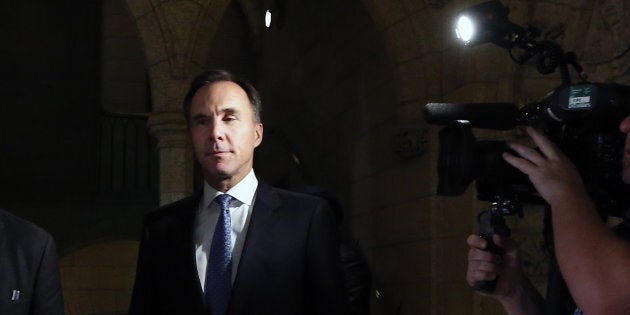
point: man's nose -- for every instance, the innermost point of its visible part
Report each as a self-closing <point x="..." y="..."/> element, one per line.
<point x="217" y="131"/>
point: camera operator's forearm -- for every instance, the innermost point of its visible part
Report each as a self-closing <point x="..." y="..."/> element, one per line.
<point x="525" y="300"/>
<point x="593" y="261"/>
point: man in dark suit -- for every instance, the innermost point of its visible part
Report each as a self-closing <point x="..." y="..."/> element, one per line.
<point x="29" y="276"/>
<point x="240" y="246"/>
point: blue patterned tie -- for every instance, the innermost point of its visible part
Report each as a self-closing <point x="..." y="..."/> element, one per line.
<point x="219" y="271"/>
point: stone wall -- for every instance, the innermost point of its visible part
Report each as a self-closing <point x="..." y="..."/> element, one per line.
<point x="343" y="85"/>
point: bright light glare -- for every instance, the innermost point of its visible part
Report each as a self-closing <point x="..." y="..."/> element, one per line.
<point x="465" y="29"/>
<point x="268" y="18"/>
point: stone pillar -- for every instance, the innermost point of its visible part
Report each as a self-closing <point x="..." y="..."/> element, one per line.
<point x="176" y="37"/>
<point x="168" y="125"/>
<point x="175" y="155"/>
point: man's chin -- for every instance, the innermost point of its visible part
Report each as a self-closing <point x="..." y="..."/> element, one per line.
<point x="218" y="174"/>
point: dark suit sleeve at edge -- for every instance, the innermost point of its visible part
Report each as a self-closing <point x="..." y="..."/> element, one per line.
<point x="324" y="272"/>
<point x="47" y="294"/>
<point x="142" y="296"/>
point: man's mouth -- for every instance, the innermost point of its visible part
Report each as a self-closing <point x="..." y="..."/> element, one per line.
<point x="218" y="152"/>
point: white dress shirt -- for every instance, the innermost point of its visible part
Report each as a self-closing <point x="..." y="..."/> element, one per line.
<point x="241" y="207"/>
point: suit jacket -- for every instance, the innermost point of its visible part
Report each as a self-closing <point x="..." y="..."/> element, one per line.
<point x="289" y="265"/>
<point x="29" y="275"/>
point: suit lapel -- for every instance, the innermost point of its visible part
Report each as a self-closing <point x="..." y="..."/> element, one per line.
<point x="264" y="217"/>
<point x="188" y="214"/>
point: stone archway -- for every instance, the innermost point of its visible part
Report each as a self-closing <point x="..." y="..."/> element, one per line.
<point x="176" y="37"/>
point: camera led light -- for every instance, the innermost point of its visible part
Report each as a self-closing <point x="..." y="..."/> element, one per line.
<point x="268" y="18"/>
<point x="465" y="29"/>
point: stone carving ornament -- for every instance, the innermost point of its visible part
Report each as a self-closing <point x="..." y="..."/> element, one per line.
<point x="436" y="4"/>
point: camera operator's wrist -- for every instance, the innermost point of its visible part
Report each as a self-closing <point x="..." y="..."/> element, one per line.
<point x="570" y="195"/>
<point x="523" y="299"/>
<point x="571" y="200"/>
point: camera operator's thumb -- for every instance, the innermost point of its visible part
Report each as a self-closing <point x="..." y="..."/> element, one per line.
<point x="511" y="278"/>
<point x="511" y="256"/>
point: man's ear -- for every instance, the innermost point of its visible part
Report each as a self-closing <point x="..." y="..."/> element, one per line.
<point x="258" y="133"/>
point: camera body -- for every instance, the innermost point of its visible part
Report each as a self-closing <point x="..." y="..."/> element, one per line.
<point x="581" y="119"/>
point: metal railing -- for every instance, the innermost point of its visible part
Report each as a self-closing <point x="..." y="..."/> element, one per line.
<point x="127" y="159"/>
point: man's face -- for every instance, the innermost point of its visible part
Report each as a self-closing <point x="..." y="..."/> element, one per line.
<point x="224" y="133"/>
<point x="625" y="128"/>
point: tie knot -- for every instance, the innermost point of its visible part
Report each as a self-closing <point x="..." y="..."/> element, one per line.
<point x="224" y="201"/>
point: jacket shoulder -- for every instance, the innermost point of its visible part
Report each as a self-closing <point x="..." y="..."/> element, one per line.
<point x="172" y="210"/>
<point x="21" y="229"/>
<point x="288" y="194"/>
<point x="289" y="197"/>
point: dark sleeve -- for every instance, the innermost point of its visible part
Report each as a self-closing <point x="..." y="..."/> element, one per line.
<point x="358" y="279"/>
<point x="47" y="293"/>
<point x="324" y="272"/>
<point x="142" y="296"/>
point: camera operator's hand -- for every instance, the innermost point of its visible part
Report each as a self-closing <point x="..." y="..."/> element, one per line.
<point x="593" y="261"/>
<point x="552" y="173"/>
<point x="484" y="265"/>
<point x="514" y="291"/>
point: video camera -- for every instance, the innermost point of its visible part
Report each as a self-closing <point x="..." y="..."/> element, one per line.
<point x="582" y="119"/>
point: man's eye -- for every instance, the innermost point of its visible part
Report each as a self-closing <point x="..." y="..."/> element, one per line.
<point x="202" y="122"/>
<point x="229" y="118"/>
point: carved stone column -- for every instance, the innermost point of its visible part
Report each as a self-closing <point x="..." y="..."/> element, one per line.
<point x="176" y="36"/>
<point x="175" y="155"/>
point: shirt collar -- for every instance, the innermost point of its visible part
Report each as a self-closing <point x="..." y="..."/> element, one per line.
<point x="244" y="191"/>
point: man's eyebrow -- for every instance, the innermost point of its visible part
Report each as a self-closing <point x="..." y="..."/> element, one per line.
<point x="223" y="111"/>
<point x="229" y="110"/>
<point x="199" y="116"/>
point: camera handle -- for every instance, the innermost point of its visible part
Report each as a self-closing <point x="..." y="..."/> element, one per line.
<point x="491" y="222"/>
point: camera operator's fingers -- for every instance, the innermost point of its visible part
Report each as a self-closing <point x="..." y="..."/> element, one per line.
<point x="484" y="255"/>
<point x="482" y="265"/>
<point x="474" y="275"/>
<point x="511" y="256"/>
<point x="476" y="241"/>
<point x="522" y="163"/>
<point x="504" y="242"/>
<point x="548" y="148"/>
<point x="527" y="153"/>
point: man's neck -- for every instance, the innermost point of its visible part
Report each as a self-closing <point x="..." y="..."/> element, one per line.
<point x="222" y="185"/>
<point x="225" y="184"/>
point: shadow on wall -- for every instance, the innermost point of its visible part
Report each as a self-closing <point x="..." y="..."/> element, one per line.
<point x="98" y="279"/>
